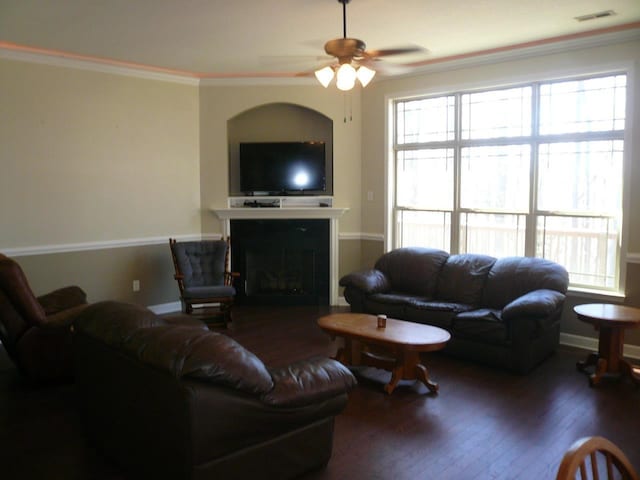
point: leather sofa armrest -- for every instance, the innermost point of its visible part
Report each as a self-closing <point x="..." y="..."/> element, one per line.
<point x="367" y="281"/>
<point x="539" y="303"/>
<point x="64" y="318"/>
<point x="62" y="299"/>
<point x="308" y="381"/>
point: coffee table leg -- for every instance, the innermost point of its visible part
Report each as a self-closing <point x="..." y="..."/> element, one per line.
<point x="396" y="375"/>
<point x="422" y="374"/>
<point x="591" y="359"/>
<point x="601" y="369"/>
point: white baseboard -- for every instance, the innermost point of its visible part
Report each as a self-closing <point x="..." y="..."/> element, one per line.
<point x="171" y="307"/>
<point x="590" y="343"/>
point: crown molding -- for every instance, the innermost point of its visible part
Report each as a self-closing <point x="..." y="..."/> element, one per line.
<point x="594" y="38"/>
<point x="60" y="59"/>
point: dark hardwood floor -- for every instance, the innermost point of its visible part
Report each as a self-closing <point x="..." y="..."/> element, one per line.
<point x="483" y="424"/>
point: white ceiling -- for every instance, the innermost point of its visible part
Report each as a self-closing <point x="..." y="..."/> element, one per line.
<point x="260" y="38"/>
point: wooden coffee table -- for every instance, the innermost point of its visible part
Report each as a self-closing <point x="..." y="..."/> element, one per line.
<point x="395" y="348"/>
<point x="610" y="321"/>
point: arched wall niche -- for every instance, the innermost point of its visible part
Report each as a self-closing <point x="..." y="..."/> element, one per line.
<point x="278" y="122"/>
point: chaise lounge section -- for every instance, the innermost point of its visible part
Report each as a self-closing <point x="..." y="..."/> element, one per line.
<point x="502" y="312"/>
<point x="182" y="402"/>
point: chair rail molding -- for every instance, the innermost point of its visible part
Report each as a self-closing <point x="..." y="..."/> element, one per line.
<point x="103" y="245"/>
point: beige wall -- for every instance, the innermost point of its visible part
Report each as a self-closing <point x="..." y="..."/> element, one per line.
<point x="89" y="159"/>
<point x="93" y="157"/>
<point x="598" y="59"/>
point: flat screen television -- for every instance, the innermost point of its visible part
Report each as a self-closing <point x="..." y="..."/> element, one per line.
<point x="282" y="168"/>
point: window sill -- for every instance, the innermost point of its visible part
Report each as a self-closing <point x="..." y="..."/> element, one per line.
<point x="609" y="296"/>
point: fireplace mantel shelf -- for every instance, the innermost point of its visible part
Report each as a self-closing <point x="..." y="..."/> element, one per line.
<point x="275" y="213"/>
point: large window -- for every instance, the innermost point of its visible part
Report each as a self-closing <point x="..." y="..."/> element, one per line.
<point x="531" y="170"/>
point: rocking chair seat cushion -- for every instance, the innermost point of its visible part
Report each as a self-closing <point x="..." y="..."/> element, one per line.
<point x="209" y="292"/>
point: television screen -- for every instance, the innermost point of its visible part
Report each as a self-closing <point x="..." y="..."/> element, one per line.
<point x="282" y="167"/>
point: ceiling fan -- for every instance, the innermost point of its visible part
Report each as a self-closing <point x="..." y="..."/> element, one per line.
<point x="354" y="61"/>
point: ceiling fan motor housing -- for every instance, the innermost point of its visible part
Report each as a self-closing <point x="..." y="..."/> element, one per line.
<point x="345" y="49"/>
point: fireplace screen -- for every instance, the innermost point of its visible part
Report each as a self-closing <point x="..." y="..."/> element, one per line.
<point x="280" y="272"/>
<point x="281" y="262"/>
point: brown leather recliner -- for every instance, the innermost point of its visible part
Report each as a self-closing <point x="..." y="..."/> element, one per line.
<point x="171" y="401"/>
<point x="36" y="331"/>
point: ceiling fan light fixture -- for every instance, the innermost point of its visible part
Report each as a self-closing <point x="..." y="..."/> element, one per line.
<point x="346" y="77"/>
<point x="365" y="75"/>
<point x="324" y="76"/>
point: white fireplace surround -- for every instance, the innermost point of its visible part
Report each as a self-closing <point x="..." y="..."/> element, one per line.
<point x="290" y="208"/>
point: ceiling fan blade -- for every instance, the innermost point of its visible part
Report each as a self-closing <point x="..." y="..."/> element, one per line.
<point x="291" y="59"/>
<point x="395" y="51"/>
<point x="311" y="73"/>
<point x="386" y="68"/>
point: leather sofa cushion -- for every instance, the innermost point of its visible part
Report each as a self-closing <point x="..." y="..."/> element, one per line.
<point x="413" y="270"/>
<point x="483" y="324"/>
<point x="512" y="277"/>
<point x="208" y="356"/>
<point x="462" y="278"/>
<point x="390" y="305"/>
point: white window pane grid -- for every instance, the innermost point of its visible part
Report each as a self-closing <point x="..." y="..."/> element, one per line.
<point x="486" y="190"/>
<point x="424" y="229"/>
<point x="424" y="179"/>
<point x="591" y="105"/>
<point x="426" y="120"/>
<point x="495" y="177"/>
<point x="498" y="235"/>
<point x="580" y="177"/>
<point x="497" y="113"/>
<point x="587" y="247"/>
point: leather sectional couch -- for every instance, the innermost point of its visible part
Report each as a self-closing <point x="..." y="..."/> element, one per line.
<point x="502" y="312"/>
<point x="182" y="402"/>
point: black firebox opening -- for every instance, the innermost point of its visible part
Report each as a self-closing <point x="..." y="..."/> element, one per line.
<point x="281" y="262"/>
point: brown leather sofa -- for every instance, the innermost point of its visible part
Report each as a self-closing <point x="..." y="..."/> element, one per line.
<point x="181" y="402"/>
<point x="503" y="312"/>
<point x="36" y="331"/>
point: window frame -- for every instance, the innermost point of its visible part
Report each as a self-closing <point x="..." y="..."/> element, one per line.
<point x="535" y="140"/>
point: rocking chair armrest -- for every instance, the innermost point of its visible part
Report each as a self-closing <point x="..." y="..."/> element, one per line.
<point x="230" y="276"/>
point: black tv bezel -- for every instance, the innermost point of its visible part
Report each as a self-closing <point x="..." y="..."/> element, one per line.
<point x="285" y="191"/>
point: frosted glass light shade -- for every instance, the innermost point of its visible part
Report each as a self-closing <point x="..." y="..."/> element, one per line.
<point x="365" y="75"/>
<point x="346" y="77"/>
<point x="324" y="76"/>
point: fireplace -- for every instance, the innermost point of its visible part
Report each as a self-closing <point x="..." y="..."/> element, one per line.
<point x="281" y="261"/>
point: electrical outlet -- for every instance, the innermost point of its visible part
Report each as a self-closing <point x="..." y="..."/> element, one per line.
<point x="370" y="196"/>
<point x="136" y="285"/>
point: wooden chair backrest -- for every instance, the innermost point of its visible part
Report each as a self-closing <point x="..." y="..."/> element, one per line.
<point x="595" y="458"/>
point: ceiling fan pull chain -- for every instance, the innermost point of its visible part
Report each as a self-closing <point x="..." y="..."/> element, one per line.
<point x="344" y="106"/>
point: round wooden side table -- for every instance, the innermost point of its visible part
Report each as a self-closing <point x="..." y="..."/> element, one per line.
<point x="610" y="321"/>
